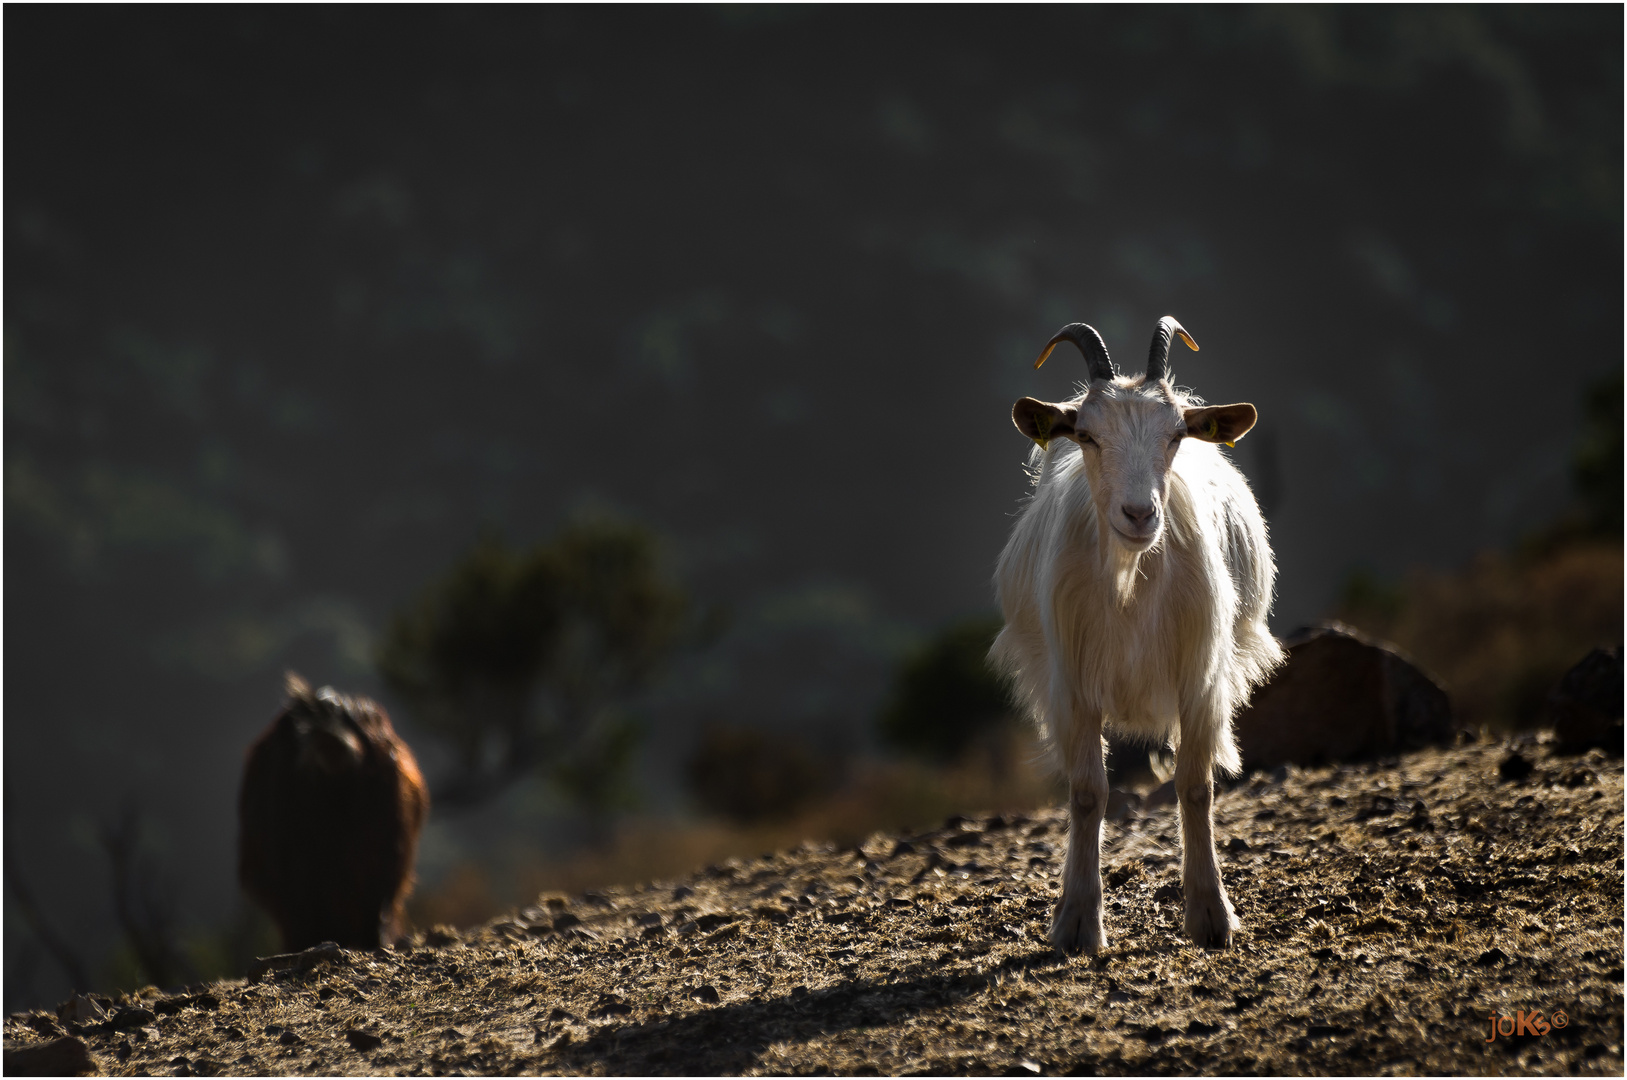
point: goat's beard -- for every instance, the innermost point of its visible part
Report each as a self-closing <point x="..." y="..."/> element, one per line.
<point x="1123" y="568"/>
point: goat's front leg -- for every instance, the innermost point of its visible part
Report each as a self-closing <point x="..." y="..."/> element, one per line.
<point x="1078" y="922"/>
<point x="1209" y="916"/>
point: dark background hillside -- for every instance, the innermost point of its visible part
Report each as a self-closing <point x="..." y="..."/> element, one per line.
<point x="300" y="303"/>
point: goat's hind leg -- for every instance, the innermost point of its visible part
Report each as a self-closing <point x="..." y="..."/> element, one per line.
<point x="1209" y="916"/>
<point x="1077" y="925"/>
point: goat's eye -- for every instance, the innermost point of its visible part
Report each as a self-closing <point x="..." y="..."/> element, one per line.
<point x="1085" y="439"/>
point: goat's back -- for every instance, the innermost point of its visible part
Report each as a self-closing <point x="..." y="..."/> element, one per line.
<point x="328" y="824"/>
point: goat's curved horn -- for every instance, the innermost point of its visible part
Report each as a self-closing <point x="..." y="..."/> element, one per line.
<point x="1158" y="355"/>
<point x="1090" y="343"/>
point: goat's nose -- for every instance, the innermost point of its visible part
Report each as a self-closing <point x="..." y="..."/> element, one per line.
<point x="1141" y="515"/>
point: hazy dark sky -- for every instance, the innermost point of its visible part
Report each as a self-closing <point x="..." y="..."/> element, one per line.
<point x="298" y="301"/>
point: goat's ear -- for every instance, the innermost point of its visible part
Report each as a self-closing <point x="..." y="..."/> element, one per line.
<point x="1042" y="421"/>
<point x="1220" y="423"/>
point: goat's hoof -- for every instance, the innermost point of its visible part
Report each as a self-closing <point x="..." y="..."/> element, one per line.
<point x="1077" y="929"/>
<point x="1210" y="922"/>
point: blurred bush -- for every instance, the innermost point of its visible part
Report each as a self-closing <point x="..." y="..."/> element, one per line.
<point x="946" y="696"/>
<point x="525" y="661"/>
<point x="745" y="775"/>
<point x="875" y="796"/>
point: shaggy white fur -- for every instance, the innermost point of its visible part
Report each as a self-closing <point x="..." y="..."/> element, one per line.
<point x="1135" y="589"/>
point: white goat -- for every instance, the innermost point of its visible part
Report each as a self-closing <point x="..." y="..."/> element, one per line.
<point x="1135" y="588"/>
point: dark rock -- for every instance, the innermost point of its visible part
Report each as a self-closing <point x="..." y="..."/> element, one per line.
<point x="566" y="921"/>
<point x="60" y="1057"/>
<point x="707" y="995"/>
<point x="708" y="923"/>
<point x="326" y="952"/>
<point x="1516" y="766"/>
<point x="1585" y="708"/>
<point x="83" y="1009"/>
<point x="1492" y="956"/>
<point x="1237" y="843"/>
<point x="1166" y="893"/>
<point x="1341" y="697"/>
<point x="1121" y="804"/>
<point x="1163" y="795"/>
<point x="362" y="1042"/>
<point x="132" y="1017"/>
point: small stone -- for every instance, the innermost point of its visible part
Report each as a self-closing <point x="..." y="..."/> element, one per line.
<point x="362" y="1042"/>
<point x="1515" y="767"/>
<point x="1237" y="843"/>
<point x="708" y="923"/>
<point x="682" y="892"/>
<point x="707" y="995"/>
<point x="1491" y="956"/>
<point x="730" y="931"/>
<point x="81" y="1009"/>
<point x="566" y="921"/>
<point x="1163" y="795"/>
<point x="1122" y="804"/>
<point x="132" y="1017"/>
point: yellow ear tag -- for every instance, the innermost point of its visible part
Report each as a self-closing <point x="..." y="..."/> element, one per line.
<point x="1231" y="444"/>
<point x="1042" y="422"/>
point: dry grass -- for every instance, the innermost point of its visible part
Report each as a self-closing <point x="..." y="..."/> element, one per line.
<point x="1387" y="911"/>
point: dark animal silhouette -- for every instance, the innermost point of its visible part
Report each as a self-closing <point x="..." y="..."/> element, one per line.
<point x="328" y="820"/>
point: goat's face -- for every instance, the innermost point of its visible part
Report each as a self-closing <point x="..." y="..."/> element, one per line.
<point x="1128" y="435"/>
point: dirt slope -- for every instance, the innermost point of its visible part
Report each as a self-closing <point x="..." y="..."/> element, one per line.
<point x="1387" y="912"/>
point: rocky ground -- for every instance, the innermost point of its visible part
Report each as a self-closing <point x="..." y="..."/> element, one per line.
<point x="1389" y="910"/>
